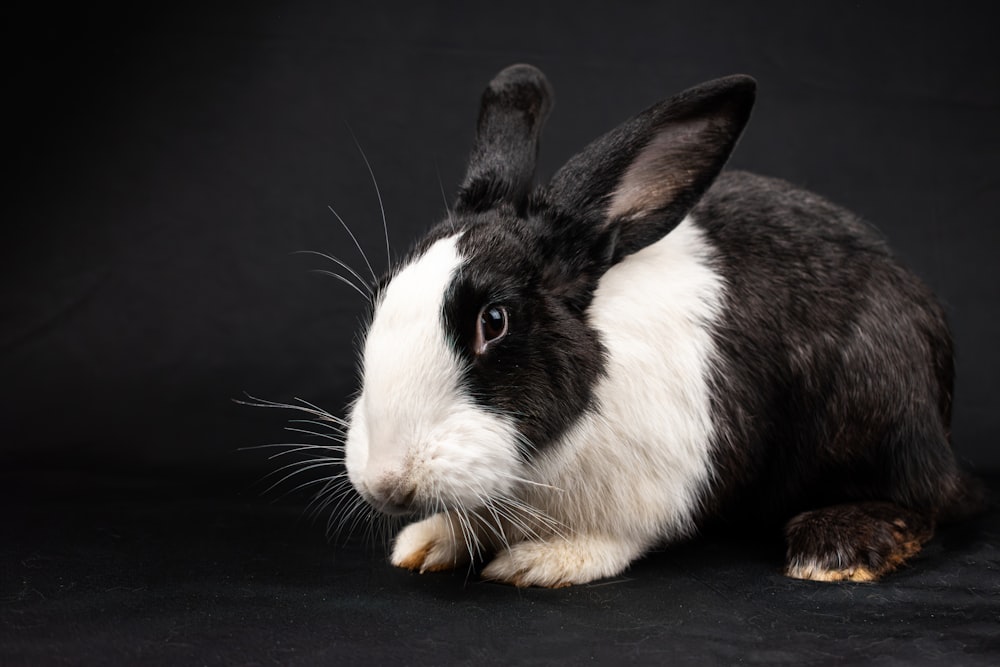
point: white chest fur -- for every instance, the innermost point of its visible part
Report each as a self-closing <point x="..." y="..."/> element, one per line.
<point x="638" y="464"/>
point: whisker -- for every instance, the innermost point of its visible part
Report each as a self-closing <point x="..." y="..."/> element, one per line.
<point x="368" y="516"/>
<point x="255" y="402"/>
<point x="343" y="280"/>
<point x="497" y="530"/>
<point x="371" y="172"/>
<point x="337" y="496"/>
<point x="345" y="505"/>
<point x="444" y="198"/>
<point x="297" y="472"/>
<point x="544" y="521"/>
<point x="530" y="482"/>
<point x="354" y="505"/>
<point x="320" y="412"/>
<point x="292" y="448"/>
<point x="356" y="244"/>
<point x="335" y="438"/>
<point x="338" y="501"/>
<point x="306" y="407"/>
<point x="288" y="444"/>
<point x="316" y="481"/>
<point x="334" y="488"/>
<point x="340" y="263"/>
<point x="468" y="533"/>
<point x="323" y="423"/>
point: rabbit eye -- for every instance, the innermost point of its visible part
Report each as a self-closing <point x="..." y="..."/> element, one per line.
<point x="491" y="327"/>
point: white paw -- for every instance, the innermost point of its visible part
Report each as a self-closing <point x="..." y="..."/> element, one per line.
<point x="560" y="562"/>
<point x="431" y="545"/>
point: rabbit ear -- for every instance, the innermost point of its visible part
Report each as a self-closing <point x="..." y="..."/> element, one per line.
<point x="502" y="165"/>
<point x="640" y="180"/>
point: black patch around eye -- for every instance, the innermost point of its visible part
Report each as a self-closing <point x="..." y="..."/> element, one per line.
<point x="541" y="374"/>
<point x="462" y="304"/>
<point x="542" y="369"/>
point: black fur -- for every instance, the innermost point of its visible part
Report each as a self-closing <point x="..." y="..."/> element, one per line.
<point x="542" y="256"/>
<point x="835" y="374"/>
<point x="696" y="131"/>
<point x="857" y="542"/>
<point x="544" y="371"/>
<point x="513" y="109"/>
<point x="832" y="386"/>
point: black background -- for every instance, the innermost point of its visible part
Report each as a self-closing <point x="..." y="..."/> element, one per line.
<point x="165" y="162"/>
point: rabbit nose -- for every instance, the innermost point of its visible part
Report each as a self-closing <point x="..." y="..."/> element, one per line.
<point x="393" y="494"/>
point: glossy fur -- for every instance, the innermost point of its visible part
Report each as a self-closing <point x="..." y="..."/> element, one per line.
<point x="847" y="393"/>
<point x="682" y="348"/>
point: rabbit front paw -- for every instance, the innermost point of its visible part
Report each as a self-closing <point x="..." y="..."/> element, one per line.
<point x="432" y="545"/>
<point x="560" y="561"/>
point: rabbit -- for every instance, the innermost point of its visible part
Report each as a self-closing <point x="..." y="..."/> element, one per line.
<point x="557" y="379"/>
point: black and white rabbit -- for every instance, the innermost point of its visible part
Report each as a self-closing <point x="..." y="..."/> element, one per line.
<point x="559" y="378"/>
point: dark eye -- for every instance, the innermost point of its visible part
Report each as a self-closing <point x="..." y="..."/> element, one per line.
<point x="490" y="327"/>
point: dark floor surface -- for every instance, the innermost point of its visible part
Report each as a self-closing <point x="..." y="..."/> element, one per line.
<point x="124" y="571"/>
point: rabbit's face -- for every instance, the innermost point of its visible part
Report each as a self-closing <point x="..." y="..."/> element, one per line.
<point x="476" y="359"/>
<point x="417" y="440"/>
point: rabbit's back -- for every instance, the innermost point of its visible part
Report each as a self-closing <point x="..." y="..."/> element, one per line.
<point x="834" y="371"/>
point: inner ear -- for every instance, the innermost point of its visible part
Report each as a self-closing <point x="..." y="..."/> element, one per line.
<point x="666" y="179"/>
<point x="674" y="162"/>
<point x="644" y="176"/>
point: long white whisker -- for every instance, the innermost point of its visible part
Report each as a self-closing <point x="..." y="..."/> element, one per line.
<point x="529" y="482"/>
<point x="344" y="504"/>
<point x="317" y="481"/>
<point x="356" y="244"/>
<point x="544" y="521"/>
<point x="320" y="412"/>
<point x="322" y="423"/>
<point x="495" y="527"/>
<point x="340" y="263"/>
<point x="347" y="506"/>
<point x="444" y="198"/>
<point x="333" y="488"/>
<point x="298" y="472"/>
<point x="299" y="462"/>
<point x="342" y="279"/>
<point x="335" y="438"/>
<point x="255" y="402"/>
<point x="306" y="407"/>
<point x="472" y="544"/>
<point x="371" y="172"/>
<point x="518" y="522"/>
<point x="457" y="520"/>
<point x="361" y="515"/>
<point x="294" y="446"/>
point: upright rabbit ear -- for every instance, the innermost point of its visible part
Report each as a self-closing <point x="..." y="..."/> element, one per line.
<point x="639" y="181"/>
<point x="502" y="165"/>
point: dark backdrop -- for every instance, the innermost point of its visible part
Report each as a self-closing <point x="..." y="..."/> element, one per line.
<point x="165" y="163"/>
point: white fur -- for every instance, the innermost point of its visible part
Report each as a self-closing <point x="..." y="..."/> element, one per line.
<point x="432" y="544"/>
<point x="628" y="474"/>
<point x="412" y="430"/>
<point x="654" y="311"/>
<point x="634" y="470"/>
